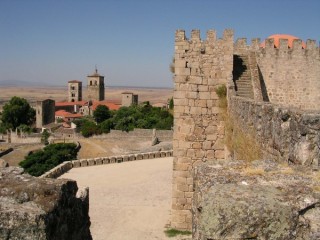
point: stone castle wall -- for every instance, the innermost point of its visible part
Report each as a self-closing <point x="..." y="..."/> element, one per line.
<point x="291" y="75"/>
<point x="200" y="67"/>
<point x="286" y="134"/>
<point x="137" y="134"/>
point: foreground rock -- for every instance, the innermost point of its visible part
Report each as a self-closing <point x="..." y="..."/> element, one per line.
<point x="3" y="163"/>
<point x="33" y="208"/>
<point x="261" y="200"/>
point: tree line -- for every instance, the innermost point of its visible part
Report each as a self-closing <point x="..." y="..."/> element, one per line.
<point x="125" y="119"/>
<point x="17" y="113"/>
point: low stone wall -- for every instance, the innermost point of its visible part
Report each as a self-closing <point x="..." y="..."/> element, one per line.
<point x="66" y="166"/>
<point x="285" y="134"/>
<point x="163" y="135"/>
<point x="2" y="153"/>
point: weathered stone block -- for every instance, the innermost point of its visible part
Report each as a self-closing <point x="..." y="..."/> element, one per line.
<point x="34" y="208"/>
<point x="84" y="162"/>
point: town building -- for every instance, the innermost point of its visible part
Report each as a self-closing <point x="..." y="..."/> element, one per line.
<point x="74" y="91"/>
<point x="128" y="99"/>
<point x="95" y="86"/>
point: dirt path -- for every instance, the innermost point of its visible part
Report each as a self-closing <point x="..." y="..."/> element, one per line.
<point x="131" y="200"/>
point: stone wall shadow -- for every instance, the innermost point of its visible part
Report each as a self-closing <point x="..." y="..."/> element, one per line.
<point x="264" y="91"/>
<point x="238" y="69"/>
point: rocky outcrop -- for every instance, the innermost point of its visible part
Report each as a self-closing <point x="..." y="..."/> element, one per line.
<point x="260" y="200"/>
<point x="33" y="208"/>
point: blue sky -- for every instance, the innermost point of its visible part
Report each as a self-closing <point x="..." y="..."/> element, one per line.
<point x="130" y="41"/>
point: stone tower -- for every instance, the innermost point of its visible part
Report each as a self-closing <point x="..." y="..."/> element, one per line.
<point x="128" y="99"/>
<point x="96" y="86"/>
<point x="74" y="91"/>
<point x="45" y="112"/>
<point x="200" y="67"/>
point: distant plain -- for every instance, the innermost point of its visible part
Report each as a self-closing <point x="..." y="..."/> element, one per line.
<point x="33" y="94"/>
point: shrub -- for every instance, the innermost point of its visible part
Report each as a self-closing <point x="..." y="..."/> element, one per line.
<point x="221" y="91"/>
<point x="174" y="232"/>
<point x="41" y="161"/>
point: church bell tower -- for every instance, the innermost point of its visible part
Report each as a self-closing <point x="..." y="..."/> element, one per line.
<point x="95" y="86"/>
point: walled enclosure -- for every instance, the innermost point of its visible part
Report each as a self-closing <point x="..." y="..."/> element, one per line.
<point x="200" y="67"/>
<point x="287" y="79"/>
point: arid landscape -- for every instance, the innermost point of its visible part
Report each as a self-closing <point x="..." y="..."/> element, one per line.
<point x="32" y="94"/>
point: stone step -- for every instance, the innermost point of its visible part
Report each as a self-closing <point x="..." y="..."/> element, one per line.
<point x="244" y="91"/>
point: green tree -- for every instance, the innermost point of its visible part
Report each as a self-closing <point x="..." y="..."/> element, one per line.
<point x="106" y="125"/>
<point x="89" y="128"/>
<point x="41" y="161"/>
<point x="45" y="137"/>
<point x="17" y="112"/>
<point x="101" y="113"/>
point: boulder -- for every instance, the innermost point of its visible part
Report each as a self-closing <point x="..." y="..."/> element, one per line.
<point x="3" y="163"/>
<point x="258" y="200"/>
<point x="34" y="208"/>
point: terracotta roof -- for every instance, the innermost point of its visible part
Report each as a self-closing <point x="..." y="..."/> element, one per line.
<point x="65" y="114"/>
<point x="277" y="38"/>
<point x="110" y="105"/>
<point x="74" y="81"/>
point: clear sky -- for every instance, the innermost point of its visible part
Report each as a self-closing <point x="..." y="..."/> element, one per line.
<point x="130" y="41"/>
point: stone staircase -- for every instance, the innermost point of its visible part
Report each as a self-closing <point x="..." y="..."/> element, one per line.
<point x="242" y="76"/>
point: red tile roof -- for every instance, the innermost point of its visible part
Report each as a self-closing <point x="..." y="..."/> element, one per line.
<point x="110" y="105"/>
<point x="65" y="114"/>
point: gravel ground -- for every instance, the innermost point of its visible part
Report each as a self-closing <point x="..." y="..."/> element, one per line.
<point x="128" y="201"/>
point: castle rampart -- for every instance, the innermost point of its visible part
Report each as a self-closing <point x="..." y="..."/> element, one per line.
<point x="285" y="134"/>
<point x="200" y="67"/>
<point x="291" y="75"/>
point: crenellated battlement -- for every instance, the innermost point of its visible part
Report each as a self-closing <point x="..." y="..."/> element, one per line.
<point x="211" y="36"/>
<point x="283" y="48"/>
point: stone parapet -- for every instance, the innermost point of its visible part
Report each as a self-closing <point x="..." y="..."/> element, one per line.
<point x="66" y="166"/>
<point x="285" y="134"/>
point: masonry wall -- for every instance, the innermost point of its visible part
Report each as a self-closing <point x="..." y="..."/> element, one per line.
<point x="291" y="75"/>
<point x="285" y="134"/>
<point x="95" y="87"/>
<point x="200" y="67"/>
<point x="137" y="134"/>
<point x="45" y="112"/>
